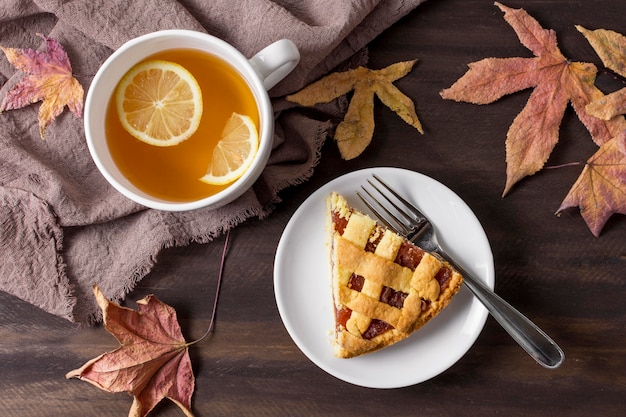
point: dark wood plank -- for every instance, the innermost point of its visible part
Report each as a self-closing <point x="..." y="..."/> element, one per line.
<point x="572" y="284"/>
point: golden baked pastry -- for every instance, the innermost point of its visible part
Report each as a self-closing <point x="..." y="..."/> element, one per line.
<point x="384" y="287"/>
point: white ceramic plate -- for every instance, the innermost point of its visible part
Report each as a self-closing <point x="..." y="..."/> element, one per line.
<point x="303" y="294"/>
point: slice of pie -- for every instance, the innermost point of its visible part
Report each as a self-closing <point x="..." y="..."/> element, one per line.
<point x="384" y="287"/>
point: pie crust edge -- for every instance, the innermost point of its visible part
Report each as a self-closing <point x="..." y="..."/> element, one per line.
<point x="348" y="343"/>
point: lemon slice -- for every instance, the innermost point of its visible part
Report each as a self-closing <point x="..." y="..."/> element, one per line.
<point x="159" y="102"/>
<point x="235" y="151"/>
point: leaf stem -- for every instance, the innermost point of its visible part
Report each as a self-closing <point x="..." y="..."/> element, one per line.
<point x="616" y="76"/>
<point x="569" y="164"/>
<point x="217" y="291"/>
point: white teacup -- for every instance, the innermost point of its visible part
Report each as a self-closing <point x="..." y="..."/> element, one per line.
<point x="261" y="72"/>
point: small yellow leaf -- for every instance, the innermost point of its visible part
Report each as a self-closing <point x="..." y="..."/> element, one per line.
<point x="608" y="106"/>
<point x="355" y="132"/>
<point x="610" y="47"/>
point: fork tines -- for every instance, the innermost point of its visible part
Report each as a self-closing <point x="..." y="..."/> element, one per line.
<point x="406" y="220"/>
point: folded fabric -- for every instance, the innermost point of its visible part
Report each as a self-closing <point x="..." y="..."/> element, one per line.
<point x="64" y="228"/>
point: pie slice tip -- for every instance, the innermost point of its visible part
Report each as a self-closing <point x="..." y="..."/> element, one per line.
<point x="383" y="287"/>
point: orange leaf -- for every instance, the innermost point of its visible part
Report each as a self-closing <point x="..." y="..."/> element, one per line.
<point x="600" y="190"/>
<point x="556" y="82"/>
<point x="355" y="132"/>
<point x="152" y="362"/>
<point x="48" y="78"/>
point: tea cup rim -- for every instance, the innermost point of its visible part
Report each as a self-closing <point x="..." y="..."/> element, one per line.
<point x="97" y="145"/>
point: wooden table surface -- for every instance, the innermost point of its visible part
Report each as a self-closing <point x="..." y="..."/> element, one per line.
<point x="570" y="283"/>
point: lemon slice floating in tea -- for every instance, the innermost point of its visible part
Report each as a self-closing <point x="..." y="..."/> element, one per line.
<point x="159" y="102"/>
<point x="235" y="151"/>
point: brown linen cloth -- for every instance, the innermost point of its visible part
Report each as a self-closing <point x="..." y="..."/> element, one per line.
<point x="63" y="227"/>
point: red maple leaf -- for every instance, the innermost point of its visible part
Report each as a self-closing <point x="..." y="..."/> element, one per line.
<point x="152" y="362"/>
<point x="48" y="78"/>
<point x="556" y="81"/>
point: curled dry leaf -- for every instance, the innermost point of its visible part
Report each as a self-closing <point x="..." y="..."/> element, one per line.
<point x="556" y="82"/>
<point x="600" y="190"/>
<point x="48" y="78"/>
<point x="609" y="106"/>
<point x="611" y="48"/>
<point x="152" y="362"/>
<point x="355" y="132"/>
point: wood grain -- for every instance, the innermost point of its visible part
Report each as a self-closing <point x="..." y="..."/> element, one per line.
<point x="572" y="284"/>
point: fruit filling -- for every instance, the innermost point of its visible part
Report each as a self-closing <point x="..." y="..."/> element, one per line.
<point x="392" y="297"/>
<point x="356" y="282"/>
<point x="409" y="256"/>
<point x="375" y="328"/>
<point x="384" y="287"/>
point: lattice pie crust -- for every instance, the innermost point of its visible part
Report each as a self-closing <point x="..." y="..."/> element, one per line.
<point x="384" y="287"/>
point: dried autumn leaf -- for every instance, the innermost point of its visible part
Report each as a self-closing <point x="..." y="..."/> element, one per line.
<point x="600" y="190"/>
<point x="48" y="78"/>
<point x="555" y="81"/>
<point x="355" y="132"/>
<point x="611" y="48"/>
<point x="152" y="362"/>
<point x="609" y="106"/>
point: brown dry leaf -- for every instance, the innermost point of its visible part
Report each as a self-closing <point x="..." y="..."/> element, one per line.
<point x="600" y="190"/>
<point x="556" y="82"/>
<point x="48" y="78"/>
<point x="611" y="48"/>
<point x="152" y="362"/>
<point x="355" y="132"/>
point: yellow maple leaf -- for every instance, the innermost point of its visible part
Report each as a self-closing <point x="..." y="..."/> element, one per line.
<point x="355" y="132"/>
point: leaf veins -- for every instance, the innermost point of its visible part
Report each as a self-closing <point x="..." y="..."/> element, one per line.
<point x="48" y="78"/>
<point x="611" y="48"/>
<point x="152" y="362"/>
<point x="555" y="81"/>
<point x="600" y="190"/>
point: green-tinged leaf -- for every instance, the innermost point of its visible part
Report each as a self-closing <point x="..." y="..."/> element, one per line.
<point x="610" y="47"/>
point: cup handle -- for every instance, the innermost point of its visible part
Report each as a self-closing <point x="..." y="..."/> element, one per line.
<point x="275" y="62"/>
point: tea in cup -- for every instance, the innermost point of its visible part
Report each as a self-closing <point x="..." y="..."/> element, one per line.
<point x="227" y="92"/>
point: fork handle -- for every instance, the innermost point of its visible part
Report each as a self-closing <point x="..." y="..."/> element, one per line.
<point x="530" y="337"/>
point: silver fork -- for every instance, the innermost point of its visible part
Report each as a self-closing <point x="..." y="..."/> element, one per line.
<point x="413" y="224"/>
